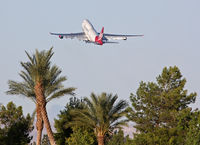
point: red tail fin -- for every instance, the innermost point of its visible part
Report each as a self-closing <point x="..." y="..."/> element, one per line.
<point x="101" y="34"/>
<point x="98" y="39"/>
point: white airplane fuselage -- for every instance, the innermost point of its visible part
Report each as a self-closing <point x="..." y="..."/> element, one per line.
<point x="89" y="30"/>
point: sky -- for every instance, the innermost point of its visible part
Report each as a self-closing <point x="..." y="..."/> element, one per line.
<point x="171" y="37"/>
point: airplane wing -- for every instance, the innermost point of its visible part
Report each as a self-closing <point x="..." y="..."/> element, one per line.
<point x="80" y="36"/>
<point x="118" y="36"/>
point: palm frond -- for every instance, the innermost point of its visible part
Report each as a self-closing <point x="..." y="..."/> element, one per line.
<point x="121" y="105"/>
<point x="84" y="116"/>
<point x="61" y="93"/>
<point x="91" y="107"/>
<point x="94" y="99"/>
<point x="30" y="58"/>
<point x="16" y="88"/>
<point x="120" y="123"/>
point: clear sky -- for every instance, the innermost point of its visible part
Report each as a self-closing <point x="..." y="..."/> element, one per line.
<point x="172" y="37"/>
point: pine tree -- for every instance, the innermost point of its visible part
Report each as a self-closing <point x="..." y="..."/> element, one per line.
<point x="63" y="132"/>
<point x="15" y="128"/>
<point x="156" y="107"/>
<point x="81" y="136"/>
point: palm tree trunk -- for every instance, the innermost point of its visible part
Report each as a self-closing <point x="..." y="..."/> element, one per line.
<point x="47" y="125"/>
<point x="39" y="125"/>
<point x="100" y="140"/>
<point x="41" y="101"/>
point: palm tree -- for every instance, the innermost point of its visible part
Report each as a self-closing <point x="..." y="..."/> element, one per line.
<point x="41" y="83"/>
<point x="100" y="114"/>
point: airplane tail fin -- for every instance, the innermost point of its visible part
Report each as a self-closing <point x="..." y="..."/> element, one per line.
<point x="98" y="39"/>
<point x="101" y="34"/>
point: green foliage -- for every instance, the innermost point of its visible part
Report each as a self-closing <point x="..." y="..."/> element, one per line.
<point x="159" y="109"/>
<point x="45" y="140"/>
<point x="187" y="131"/>
<point x="193" y="131"/>
<point x="64" y="118"/>
<point x="40" y="77"/>
<point x="81" y="136"/>
<point x="39" y="69"/>
<point x="100" y="113"/>
<point x="15" y="127"/>
<point x="118" y="139"/>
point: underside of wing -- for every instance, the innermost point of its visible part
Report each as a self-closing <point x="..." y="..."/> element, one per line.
<point x="110" y="42"/>
<point x="118" y="36"/>
<point x="80" y="36"/>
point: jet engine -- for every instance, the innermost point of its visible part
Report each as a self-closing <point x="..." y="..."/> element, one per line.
<point x="60" y="36"/>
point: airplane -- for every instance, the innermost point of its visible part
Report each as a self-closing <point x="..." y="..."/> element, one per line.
<point x="90" y="35"/>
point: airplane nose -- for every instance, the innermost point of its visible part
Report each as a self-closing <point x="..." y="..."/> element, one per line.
<point x="85" y="21"/>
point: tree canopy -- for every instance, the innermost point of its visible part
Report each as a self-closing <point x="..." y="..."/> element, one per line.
<point x="101" y="113"/>
<point x="81" y="136"/>
<point x="63" y="131"/>
<point x="157" y="107"/>
<point x="41" y="83"/>
<point x="15" y="128"/>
